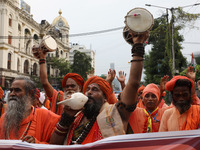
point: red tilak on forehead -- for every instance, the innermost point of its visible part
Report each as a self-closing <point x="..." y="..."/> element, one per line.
<point x="94" y="85"/>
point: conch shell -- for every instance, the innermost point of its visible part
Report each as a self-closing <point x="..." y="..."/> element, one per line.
<point x="76" y="102"/>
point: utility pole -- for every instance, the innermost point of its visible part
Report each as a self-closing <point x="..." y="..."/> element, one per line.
<point x="172" y="30"/>
<point x="173" y="52"/>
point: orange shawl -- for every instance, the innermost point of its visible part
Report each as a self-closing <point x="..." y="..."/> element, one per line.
<point x="93" y="135"/>
<point x="193" y="118"/>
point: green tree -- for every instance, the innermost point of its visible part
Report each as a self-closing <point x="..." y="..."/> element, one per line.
<point x="81" y="64"/>
<point x="62" y="67"/>
<point x="159" y="60"/>
<point x="61" y="64"/>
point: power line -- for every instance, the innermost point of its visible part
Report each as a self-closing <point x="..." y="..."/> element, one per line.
<point x="95" y="32"/>
<point x="191" y="42"/>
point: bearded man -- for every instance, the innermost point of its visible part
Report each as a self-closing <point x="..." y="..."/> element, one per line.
<point x="99" y="119"/>
<point x="184" y="116"/>
<point x="71" y="83"/>
<point x="22" y="121"/>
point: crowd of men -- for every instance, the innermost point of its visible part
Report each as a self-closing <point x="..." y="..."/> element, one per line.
<point x="35" y="117"/>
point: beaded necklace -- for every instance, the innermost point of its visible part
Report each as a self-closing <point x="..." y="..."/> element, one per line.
<point x="85" y="131"/>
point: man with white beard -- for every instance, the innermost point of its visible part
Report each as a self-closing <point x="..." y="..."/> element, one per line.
<point x="22" y="121"/>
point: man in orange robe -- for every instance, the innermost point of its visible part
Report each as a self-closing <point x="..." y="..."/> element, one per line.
<point x="147" y="119"/>
<point x="99" y="119"/>
<point x="22" y="121"/>
<point x="184" y="116"/>
<point x="71" y="83"/>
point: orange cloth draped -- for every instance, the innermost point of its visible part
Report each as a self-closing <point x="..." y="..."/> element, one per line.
<point x="47" y="104"/>
<point x="195" y="100"/>
<point x="42" y="124"/>
<point x="169" y="86"/>
<point x="104" y="86"/>
<point x="162" y="104"/>
<point x="3" y="109"/>
<point x="1" y="93"/>
<point x="140" y="104"/>
<point x="112" y="99"/>
<point x="54" y="100"/>
<point x="76" y="77"/>
<point x="138" y="118"/>
<point x="93" y="135"/>
<point x="141" y="88"/>
<point x="193" y="118"/>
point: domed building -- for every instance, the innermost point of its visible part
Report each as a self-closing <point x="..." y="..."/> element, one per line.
<point x="20" y="32"/>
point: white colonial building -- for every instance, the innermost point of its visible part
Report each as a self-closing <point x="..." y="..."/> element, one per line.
<point x="18" y="33"/>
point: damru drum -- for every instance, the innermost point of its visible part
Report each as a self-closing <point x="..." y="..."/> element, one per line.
<point x="48" y="44"/>
<point x="137" y="21"/>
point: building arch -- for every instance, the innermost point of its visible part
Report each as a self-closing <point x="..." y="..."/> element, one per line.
<point x="26" y="67"/>
<point x="9" y="62"/>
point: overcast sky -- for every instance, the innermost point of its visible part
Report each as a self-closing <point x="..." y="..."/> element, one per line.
<point x="96" y="15"/>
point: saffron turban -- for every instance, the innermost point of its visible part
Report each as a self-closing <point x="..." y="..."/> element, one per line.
<point x="76" y="77"/>
<point x="104" y="86"/>
<point x="141" y="88"/>
<point x="1" y="93"/>
<point x="169" y="86"/>
<point x="153" y="88"/>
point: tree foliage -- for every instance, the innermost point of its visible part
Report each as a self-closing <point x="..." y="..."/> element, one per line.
<point x="159" y="60"/>
<point x="81" y="64"/>
<point x="61" y="64"/>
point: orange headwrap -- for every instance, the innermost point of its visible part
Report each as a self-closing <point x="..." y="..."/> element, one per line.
<point x="153" y="88"/>
<point x="104" y="86"/>
<point x="1" y="93"/>
<point x="169" y="86"/>
<point x="76" y="77"/>
<point x="141" y="88"/>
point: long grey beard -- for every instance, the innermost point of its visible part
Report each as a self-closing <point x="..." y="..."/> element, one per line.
<point x="14" y="115"/>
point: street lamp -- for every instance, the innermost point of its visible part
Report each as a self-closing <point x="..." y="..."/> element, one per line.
<point x="172" y="21"/>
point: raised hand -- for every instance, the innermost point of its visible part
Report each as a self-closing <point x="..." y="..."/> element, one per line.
<point x="121" y="77"/>
<point x="111" y="75"/>
<point x="191" y="74"/>
<point x="90" y="74"/>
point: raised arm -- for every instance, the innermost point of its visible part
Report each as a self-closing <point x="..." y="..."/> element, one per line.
<point x="43" y="73"/>
<point x="129" y="93"/>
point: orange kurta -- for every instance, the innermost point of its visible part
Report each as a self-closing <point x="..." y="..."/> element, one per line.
<point x="54" y="100"/>
<point x="42" y="123"/>
<point x="47" y="104"/>
<point x="172" y="120"/>
<point x="138" y="117"/>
